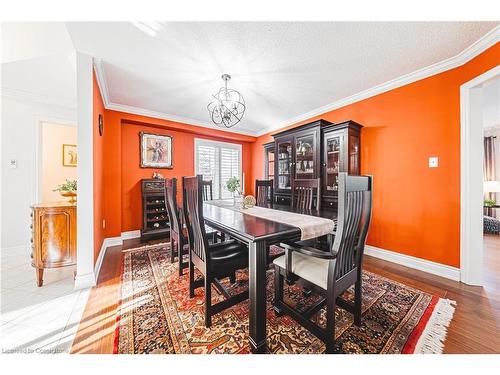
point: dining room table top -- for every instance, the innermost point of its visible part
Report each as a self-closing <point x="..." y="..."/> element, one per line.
<point x="222" y="215"/>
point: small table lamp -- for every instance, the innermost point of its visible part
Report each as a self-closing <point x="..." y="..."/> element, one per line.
<point x="491" y="186"/>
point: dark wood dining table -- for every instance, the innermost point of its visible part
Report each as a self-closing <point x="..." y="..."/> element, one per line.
<point x="257" y="233"/>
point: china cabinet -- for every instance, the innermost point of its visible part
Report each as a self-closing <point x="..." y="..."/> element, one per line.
<point x="319" y="149"/>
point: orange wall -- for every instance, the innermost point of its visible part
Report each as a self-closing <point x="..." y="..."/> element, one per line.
<point x="416" y="210"/>
<point x="99" y="232"/>
<point x="183" y="161"/>
<point x="121" y="194"/>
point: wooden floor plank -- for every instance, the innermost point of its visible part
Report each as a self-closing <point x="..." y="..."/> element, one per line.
<point x="474" y="328"/>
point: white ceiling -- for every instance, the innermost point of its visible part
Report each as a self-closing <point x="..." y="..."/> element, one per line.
<point x="283" y="69"/>
<point x="38" y="62"/>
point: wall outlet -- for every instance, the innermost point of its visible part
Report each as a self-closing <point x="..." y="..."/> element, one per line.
<point x="433" y="162"/>
<point x="13" y="163"/>
<point x="103" y="224"/>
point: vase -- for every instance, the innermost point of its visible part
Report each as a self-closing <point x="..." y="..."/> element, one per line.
<point x="69" y="194"/>
<point x="237" y="200"/>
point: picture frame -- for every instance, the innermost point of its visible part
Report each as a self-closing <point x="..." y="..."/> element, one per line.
<point x="155" y="150"/>
<point x="69" y="155"/>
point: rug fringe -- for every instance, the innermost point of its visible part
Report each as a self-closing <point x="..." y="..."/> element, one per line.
<point x="432" y="339"/>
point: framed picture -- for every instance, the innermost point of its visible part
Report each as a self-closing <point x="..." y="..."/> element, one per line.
<point x="69" y="155"/>
<point x="156" y="150"/>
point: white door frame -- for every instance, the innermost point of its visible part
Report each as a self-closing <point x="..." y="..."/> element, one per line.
<point x="37" y="186"/>
<point x="471" y="178"/>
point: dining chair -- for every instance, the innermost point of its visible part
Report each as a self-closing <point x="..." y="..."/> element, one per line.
<point x="303" y="192"/>
<point x="214" y="261"/>
<point x="329" y="274"/>
<point x="264" y="193"/>
<point x="178" y="234"/>
<point x="208" y="193"/>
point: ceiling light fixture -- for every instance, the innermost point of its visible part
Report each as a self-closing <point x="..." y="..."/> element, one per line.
<point x="228" y="106"/>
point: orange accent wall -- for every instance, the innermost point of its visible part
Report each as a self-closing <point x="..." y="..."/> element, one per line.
<point x="182" y="158"/>
<point x="120" y="196"/>
<point x="98" y="165"/>
<point x="416" y="210"/>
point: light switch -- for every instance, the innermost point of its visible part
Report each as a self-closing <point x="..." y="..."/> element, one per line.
<point x="13" y="163"/>
<point x="433" y="162"/>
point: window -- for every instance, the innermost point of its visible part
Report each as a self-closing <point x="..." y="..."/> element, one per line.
<point x="217" y="161"/>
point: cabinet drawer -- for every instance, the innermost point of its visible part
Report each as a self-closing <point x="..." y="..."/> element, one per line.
<point x="153" y="186"/>
<point x="282" y="200"/>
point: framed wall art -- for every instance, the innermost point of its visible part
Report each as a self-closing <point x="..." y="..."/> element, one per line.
<point x="156" y="150"/>
<point x="69" y="155"/>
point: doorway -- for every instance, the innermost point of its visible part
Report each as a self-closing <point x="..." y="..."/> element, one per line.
<point x="472" y="110"/>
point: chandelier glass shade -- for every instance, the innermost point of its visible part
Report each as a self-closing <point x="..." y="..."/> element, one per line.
<point x="227" y="107"/>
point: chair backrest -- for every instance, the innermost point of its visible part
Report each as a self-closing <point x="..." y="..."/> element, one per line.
<point x="264" y="192"/>
<point x="171" y="204"/>
<point x="208" y="194"/>
<point x="303" y="192"/>
<point x="193" y="214"/>
<point x="353" y="221"/>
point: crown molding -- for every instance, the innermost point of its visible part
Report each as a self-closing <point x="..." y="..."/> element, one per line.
<point x="108" y="104"/>
<point x="485" y="42"/>
<point x="31" y="97"/>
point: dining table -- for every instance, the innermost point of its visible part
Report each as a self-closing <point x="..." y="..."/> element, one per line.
<point x="257" y="233"/>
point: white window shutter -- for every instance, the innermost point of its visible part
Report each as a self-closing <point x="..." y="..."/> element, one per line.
<point x="218" y="161"/>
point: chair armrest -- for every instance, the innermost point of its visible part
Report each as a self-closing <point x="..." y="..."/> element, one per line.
<point x="306" y="250"/>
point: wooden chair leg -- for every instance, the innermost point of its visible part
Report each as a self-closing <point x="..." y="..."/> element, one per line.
<point x="357" y="302"/>
<point x="330" y="323"/>
<point x="172" y="250"/>
<point x="191" y="279"/>
<point x="181" y="270"/>
<point x="208" y="302"/>
<point x="278" y="290"/>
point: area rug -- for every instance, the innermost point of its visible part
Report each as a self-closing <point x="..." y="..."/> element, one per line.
<point x="156" y="315"/>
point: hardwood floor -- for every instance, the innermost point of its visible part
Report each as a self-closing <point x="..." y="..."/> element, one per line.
<point x="474" y="328"/>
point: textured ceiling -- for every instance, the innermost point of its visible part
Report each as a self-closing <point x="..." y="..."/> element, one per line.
<point x="283" y="69"/>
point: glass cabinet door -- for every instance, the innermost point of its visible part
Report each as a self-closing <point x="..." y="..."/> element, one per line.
<point x="284" y="159"/>
<point x="354" y="155"/>
<point x="333" y="147"/>
<point x="270" y="164"/>
<point x="304" y="157"/>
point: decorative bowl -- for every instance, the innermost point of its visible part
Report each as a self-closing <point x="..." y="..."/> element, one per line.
<point x="69" y="194"/>
<point x="249" y="201"/>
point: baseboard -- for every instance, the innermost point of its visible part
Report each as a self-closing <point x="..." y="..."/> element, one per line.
<point x="130" y="235"/>
<point x="85" y="281"/>
<point x="108" y="242"/>
<point x="434" y="268"/>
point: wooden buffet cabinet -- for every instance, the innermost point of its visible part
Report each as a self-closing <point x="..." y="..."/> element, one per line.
<point x="53" y="241"/>
<point x="319" y="149"/>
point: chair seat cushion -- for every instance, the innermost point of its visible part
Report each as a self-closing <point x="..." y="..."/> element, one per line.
<point x="314" y="270"/>
<point x="228" y="255"/>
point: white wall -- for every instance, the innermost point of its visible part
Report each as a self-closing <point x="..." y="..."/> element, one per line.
<point x="53" y="172"/>
<point x="19" y="122"/>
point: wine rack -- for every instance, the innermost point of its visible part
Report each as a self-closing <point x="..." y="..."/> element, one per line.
<point x="155" y="223"/>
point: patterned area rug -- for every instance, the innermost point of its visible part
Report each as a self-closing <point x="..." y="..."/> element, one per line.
<point x="156" y="315"/>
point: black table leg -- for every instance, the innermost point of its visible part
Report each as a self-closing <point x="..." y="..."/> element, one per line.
<point x="257" y="295"/>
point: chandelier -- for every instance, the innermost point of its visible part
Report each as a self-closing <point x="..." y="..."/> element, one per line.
<point x="228" y="106"/>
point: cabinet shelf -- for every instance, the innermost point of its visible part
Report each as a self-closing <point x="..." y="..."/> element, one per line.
<point x="153" y="204"/>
